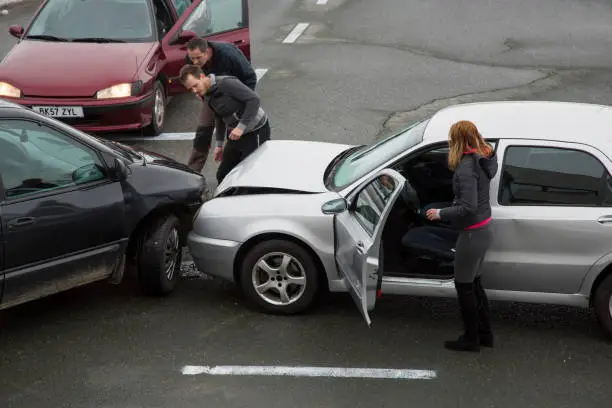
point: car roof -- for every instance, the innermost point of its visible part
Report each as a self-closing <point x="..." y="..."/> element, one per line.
<point x="571" y="122"/>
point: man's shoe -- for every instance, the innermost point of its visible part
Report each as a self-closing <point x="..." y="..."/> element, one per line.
<point x="486" y="340"/>
<point x="463" y="343"/>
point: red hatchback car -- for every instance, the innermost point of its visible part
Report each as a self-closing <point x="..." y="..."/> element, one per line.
<point x="112" y="65"/>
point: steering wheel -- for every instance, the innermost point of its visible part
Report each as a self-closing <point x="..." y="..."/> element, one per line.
<point x="86" y="173"/>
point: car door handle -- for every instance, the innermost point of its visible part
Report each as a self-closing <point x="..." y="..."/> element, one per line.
<point x="238" y="42"/>
<point x="360" y="247"/>
<point x="20" y="222"/>
<point x="604" y="219"/>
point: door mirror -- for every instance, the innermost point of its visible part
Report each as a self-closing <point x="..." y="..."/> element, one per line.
<point x="184" y="37"/>
<point x="336" y="206"/>
<point x="120" y="170"/>
<point x="16" y="30"/>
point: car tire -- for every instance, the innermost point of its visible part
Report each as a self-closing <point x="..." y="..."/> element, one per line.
<point x="160" y="255"/>
<point x="158" y="118"/>
<point x="301" y="264"/>
<point x="603" y="304"/>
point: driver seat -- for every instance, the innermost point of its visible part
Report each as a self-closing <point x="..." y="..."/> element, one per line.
<point x="422" y="243"/>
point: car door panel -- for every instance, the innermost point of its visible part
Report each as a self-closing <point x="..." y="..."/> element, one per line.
<point x="1" y="244"/>
<point x="358" y="237"/>
<point x="73" y="238"/>
<point x="63" y="219"/>
<point x="542" y="247"/>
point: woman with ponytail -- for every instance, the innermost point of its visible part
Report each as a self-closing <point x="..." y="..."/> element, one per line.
<point x="474" y="164"/>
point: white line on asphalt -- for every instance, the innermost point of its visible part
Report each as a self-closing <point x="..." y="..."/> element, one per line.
<point x="335" y="372"/>
<point x="158" y="138"/>
<point x="260" y="72"/>
<point x="296" y="32"/>
<point x="9" y="2"/>
<point x="321" y="2"/>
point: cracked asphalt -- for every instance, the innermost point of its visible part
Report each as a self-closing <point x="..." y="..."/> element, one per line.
<point x="360" y="70"/>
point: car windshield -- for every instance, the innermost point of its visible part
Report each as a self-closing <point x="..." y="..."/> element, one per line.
<point x="94" y="20"/>
<point x="366" y="159"/>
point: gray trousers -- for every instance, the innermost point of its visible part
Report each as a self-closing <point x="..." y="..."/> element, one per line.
<point x="470" y="251"/>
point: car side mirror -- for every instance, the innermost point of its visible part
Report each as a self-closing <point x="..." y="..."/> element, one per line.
<point x="336" y="206"/>
<point x="184" y="37"/>
<point x="16" y="30"/>
<point x="120" y="170"/>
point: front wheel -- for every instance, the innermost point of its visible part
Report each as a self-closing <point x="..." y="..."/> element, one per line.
<point x="603" y="304"/>
<point x="279" y="277"/>
<point x="159" y="258"/>
<point x="159" y="110"/>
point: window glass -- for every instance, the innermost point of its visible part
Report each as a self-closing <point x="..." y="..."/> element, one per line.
<point x="181" y="6"/>
<point x="371" y="201"/>
<point x="127" y="20"/>
<point x="366" y="159"/>
<point x="553" y="176"/>
<point x="215" y="16"/>
<point x="35" y="158"/>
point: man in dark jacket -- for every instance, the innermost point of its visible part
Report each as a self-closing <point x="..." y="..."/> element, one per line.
<point x="219" y="59"/>
<point x="236" y="109"/>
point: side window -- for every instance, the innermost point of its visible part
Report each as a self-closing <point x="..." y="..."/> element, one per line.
<point x="553" y="176"/>
<point x="35" y="158"/>
<point x="215" y="16"/>
<point x="371" y="201"/>
<point x="163" y="17"/>
<point x="180" y="6"/>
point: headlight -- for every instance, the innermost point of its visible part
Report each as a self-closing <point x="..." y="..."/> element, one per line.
<point x="9" y="90"/>
<point x="116" y="91"/>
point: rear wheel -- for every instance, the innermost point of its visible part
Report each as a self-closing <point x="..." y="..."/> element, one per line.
<point x="159" y="257"/>
<point x="279" y="277"/>
<point x="603" y="304"/>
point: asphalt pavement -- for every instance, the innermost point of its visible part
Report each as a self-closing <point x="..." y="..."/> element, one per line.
<point x="360" y="69"/>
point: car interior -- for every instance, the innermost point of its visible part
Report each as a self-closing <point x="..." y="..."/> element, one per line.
<point x="28" y="167"/>
<point x="428" y="180"/>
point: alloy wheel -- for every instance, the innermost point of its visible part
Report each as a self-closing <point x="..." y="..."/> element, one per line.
<point x="171" y="253"/>
<point x="279" y="278"/>
<point x="159" y="108"/>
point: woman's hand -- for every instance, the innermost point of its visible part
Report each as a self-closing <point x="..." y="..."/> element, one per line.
<point x="432" y="214"/>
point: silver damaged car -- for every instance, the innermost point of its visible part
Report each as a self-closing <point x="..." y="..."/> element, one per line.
<point x="299" y="217"/>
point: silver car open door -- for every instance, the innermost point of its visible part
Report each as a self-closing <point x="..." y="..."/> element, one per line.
<point x="358" y="236"/>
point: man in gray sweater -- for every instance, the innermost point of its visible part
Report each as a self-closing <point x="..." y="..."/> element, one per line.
<point x="236" y="109"/>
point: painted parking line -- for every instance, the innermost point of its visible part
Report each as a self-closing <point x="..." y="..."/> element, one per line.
<point x="331" y="372"/>
<point x="321" y="2"/>
<point x="260" y="72"/>
<point x="295" y="33"/>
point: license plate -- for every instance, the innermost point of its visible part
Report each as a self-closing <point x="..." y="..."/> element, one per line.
<point x="60" y="111"/>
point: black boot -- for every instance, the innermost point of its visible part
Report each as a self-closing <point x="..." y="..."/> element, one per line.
<point x="484" y="324"/>
<point x="468" y="341"/>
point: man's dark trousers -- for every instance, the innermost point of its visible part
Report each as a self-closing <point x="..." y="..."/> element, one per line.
<point x="237" y="150"/>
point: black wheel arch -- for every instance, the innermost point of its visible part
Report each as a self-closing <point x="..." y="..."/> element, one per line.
<point x="607" y="271"/>
<point x="182" y="211"/>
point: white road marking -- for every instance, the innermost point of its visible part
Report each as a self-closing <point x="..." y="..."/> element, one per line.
<point x="321" y="2"/>
<point x="335" y="372"/>
<point x="260" y="72"/>
<point x="161" y="137"/>
<point x="9" y="2"/>
<point x="296" y="32"/>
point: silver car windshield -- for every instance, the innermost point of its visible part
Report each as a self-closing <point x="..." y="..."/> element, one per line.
<point x="366" y="159"/>
<point x="94" y="20"/>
